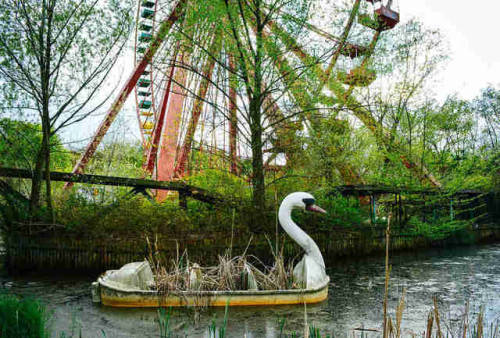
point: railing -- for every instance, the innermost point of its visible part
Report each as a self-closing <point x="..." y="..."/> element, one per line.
<point x="184" y="189"/>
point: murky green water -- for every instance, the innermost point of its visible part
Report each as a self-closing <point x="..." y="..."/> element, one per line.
<point x="355" y="299"/>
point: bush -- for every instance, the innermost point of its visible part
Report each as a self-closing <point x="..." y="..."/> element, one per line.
<point x="342" y="212"/>
<point x="22" y="318"/>
<point x="439" y="229"/>
<point x="136" y="215"/>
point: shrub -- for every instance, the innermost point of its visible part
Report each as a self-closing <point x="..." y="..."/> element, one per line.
<point x="439" y="229"/>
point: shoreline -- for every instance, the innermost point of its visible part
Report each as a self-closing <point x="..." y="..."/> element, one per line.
<point x="74" y="254"/>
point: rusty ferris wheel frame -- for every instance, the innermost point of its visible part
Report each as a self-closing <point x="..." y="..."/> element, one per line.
<point x="159" y="107"/>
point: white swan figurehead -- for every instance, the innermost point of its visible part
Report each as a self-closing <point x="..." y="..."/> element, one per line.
<point x="310" y="271"/>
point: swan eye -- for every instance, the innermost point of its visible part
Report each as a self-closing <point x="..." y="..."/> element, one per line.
<point x="308" y="201"/>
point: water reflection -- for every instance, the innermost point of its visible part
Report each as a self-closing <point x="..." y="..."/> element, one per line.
<point x="355" y="299"/>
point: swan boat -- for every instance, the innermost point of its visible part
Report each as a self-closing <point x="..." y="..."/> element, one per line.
<point x="133" y="284"/>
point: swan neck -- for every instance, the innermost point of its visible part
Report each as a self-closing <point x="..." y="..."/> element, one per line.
<point x="299" y="235"/>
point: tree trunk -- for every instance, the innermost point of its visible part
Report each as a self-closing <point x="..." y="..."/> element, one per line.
<point x="48" y="188"/>
<point x="36" y="182"/>
<point x="258" y="184"/>
<point x="45" y="76"/>
<point x="233" y="118"/>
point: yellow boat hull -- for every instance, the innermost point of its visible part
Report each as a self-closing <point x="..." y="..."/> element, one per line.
<point x="111" y="295"/>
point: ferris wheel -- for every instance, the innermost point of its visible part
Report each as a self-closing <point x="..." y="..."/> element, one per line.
<point x="173" y="84"/>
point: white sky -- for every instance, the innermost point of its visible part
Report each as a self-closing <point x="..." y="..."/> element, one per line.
<point x="472" y="29"/>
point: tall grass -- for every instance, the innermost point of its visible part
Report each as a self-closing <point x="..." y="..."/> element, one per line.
<point x="25" y="318"/>
<point x="219" y="332"/>
<point x="232" y="272"/>
<point x="163" y="317"/>
<point x="435" y="326"/>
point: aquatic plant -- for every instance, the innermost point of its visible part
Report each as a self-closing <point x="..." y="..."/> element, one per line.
<point x="22" y="317"/>
<point x="220" y="332"/>
<point x="164" y="322"/>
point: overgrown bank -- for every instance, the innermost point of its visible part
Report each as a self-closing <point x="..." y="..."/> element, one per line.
<point x="97" y="236"/>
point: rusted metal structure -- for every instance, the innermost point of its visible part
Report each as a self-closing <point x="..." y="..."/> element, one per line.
<point x="171" y="99"/>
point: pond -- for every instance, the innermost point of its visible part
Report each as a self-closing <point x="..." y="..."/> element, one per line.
<point x="356" y="294"/>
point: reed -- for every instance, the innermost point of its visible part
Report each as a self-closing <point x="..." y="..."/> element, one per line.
<point x="387" y="275"/>
<point x="218" y="332"/>
<point x="231" y="273"/>
<point x="22" y="317"/>
<point x="163" y="318"/>
<point x="399" y="314"/>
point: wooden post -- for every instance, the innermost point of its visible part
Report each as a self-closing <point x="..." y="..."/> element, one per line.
<point x="371" y="209"/>
<point x="396" y="207"/>
<point x="400" y="209"/>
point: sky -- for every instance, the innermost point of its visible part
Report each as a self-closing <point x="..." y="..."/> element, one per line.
<point x="472" y="29"/>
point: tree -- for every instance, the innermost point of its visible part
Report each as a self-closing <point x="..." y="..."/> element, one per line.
<point x="55" y="55"/>
<point x="399" y="103"/>
<point x="488" y="109"/>
<point x="254" y="86"/>
<point x="19" y="145"/>
<point x="20" y="142"/>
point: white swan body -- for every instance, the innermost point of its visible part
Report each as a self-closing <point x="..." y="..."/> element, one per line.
<point x="310" y="271"/>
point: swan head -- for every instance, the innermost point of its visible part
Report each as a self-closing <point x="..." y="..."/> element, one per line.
<point x="302" y="201"/>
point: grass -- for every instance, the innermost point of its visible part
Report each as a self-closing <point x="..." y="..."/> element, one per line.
<point x="218" y="332"/>
<point x="22" y="317"/>
<point x="164" y="322"/>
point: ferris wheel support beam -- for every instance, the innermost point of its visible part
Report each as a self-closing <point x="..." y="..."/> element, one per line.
<point x="206" y="77"/>
<point x="165" y="168"/>
<point x="165" y="26"/>
<point x="153" y="149"/>
<point x="363" y="114"/>
<point x="342" y="42"/>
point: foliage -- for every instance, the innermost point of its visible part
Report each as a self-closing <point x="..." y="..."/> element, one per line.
<point x="20" y="142"/>
<point x="54" y="58"/>
<point x="61" y="46"/>
<point x="134" y="215"/>
<point x="22" y="317"/>
<point x="222" y="182"/>
<point x="440" y="228"/>
<point x="488" y="107"/>
<point x="342" y="211"/>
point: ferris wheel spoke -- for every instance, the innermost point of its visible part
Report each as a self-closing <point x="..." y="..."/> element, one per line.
<point x="128" y="87"/>
<point x="197" y="109"/>
<point x="153" y="148"/>
<point x="167" y="151"/>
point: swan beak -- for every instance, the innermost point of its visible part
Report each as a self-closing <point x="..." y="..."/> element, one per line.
<point x="315" y="208"/>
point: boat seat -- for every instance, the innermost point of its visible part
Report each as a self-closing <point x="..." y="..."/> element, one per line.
<point x="133" y="276"/>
